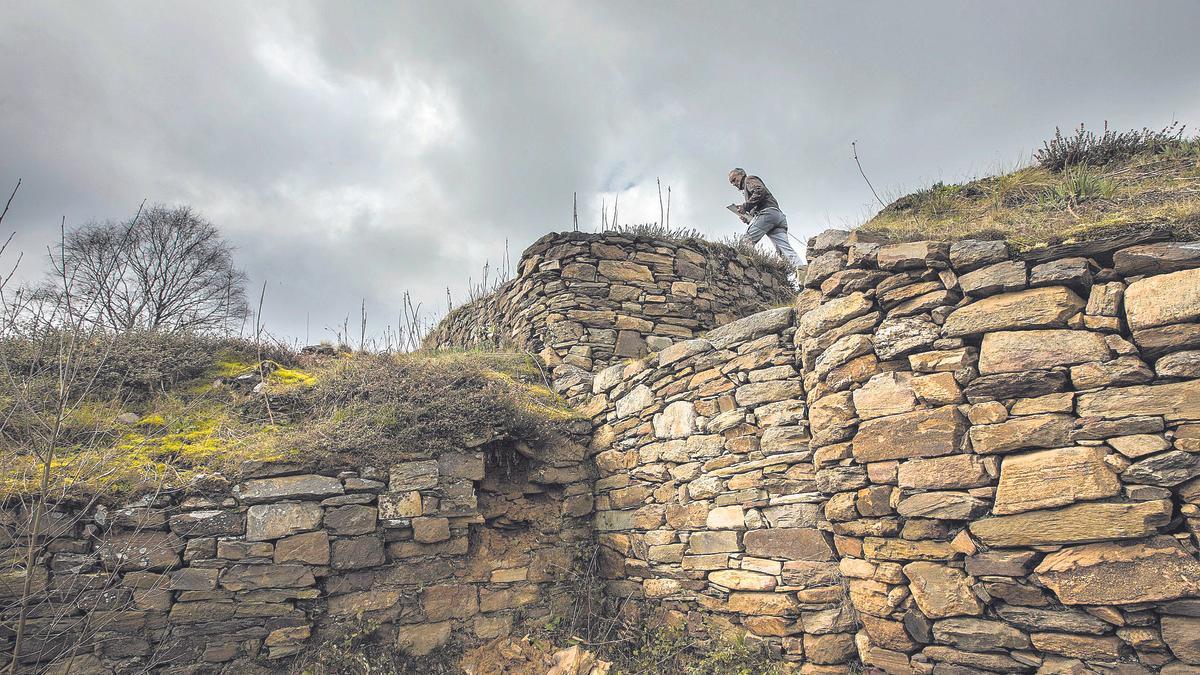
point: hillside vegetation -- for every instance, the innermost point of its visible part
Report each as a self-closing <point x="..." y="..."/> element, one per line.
<point x="1083" y="186"/>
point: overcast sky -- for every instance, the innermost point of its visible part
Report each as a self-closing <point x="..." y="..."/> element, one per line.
<point x="358" y="150"/>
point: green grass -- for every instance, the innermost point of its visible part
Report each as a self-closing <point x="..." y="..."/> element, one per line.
<point x="1035" y="206"/>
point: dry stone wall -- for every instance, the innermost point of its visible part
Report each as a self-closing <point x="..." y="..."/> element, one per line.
<point x="459" y="547"/>
<point x="591" y="299"/>
<point x="707" y="503"/>
<point x="1009" y="448"/>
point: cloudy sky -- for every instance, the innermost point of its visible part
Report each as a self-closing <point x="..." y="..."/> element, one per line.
<point x="360" y="150"/>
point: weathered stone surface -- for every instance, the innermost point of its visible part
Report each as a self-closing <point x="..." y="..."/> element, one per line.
<point x="972" y="662"/>
<point x="1079" y="646"/>
<point x="272" y="521"/>
<point x="1039" y="480"/>
<point x="421" y="639"/>
<point x="1105" y="299"/>
<point x="885" y="394"/>
<point x="1016" y="351"/>
<point x="1035" y="308"/>
<point x="757" y="393"/>
<point x="678" y="351"/>
<point x="211" y="523"/>
<point x="1019" y="433"/>
<point x="1119" y="372"/>
<point x="622" y="270"/>
<point x="834" y="313"/>
<point x="941" y="591"/>
<point x="637" y="400"/>
<point x="1182" y="635"/>
<point x="1165" y="470"/>
<point x="139" y="551"/>
<point x="420" y="475"/>
<point x="941" y="473"/>
<point x="969" y="254"/>
<point x="1174" y="401"/>
<point x="287" y="487"/>
<point x="923" y="433"/>
<point x="742" y="580"/>
<point x="758" y="604"/>
<point x="1075" y="273"/>
<point x="770" y="322"/>
<point x="912" y="255"/>
<point x="677" y="420"/>
<point x="1139" y="445"/>
<point x="791" y="543"/>
<point x="1157" y="258"/>
<point x="400" y="505"/>
<point x="1121" y="573"/>
<point x="255" y="577"/>
<point x="351" y="520"/>
<point x="1064" y="620"/>
<point x="1000" y="563"/>
<point x="1163" y="299"/>
<point x="1179" y="364"/>
<point x="310" y="547"/>
<point x="896" y="337"/>
<point x="1029" y="384"/>
<point x="979" y="634"/>
<point x="1001" y="277"/>
<point x="942" y="505"/>
<point x="942" y="360"/>
<point x="841" y="352"/>
<point x="713" y="542"/>
<point x="877" y="548"/>
<point x="1076" y="524"/>
<point x="1155" y="342"/>
<point x="430" y="530"/>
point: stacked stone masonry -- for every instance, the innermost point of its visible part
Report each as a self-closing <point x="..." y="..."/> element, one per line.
<point x="949" y="458"/>
<point x="591" y="299"/>
<point x="429" y="550"/>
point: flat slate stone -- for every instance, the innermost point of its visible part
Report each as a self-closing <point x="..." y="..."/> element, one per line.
<point x="309" y="486"/>
<point x="1075" y="524"/>
<point x="923" y="433"/>
<point x="1017" y="351"/>
<point x="1163" y="299"/>
<point x="1121" y="573"/>
<point x="1035" y="308"/>
<point x="1174" y="401"/>
<point x="1161" y="258"/>
<point x="1048" y="478"/>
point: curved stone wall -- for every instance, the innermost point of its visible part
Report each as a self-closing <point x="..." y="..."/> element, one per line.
<point x="589" y="299"/>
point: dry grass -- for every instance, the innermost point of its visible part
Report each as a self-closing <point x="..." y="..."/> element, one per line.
<point x="1034" y="206"/>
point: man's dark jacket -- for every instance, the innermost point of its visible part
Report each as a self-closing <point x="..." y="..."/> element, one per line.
<point x="758" y="197"/>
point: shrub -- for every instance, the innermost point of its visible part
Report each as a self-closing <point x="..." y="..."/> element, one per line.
<point x="1085" y="148"/>
<point x="1079" y="184"/>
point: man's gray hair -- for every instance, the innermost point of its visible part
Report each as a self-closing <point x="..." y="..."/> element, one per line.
<point x="738" y="169"/>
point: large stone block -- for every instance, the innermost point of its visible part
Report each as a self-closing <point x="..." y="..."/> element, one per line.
<point x="923" y="433"/>
<point x="941" y="591"/>
<point x="1002" y="277"/>
<point x="1163" y="299"/>
<point x="834" y="313"/>
<point x="942" y="505"/>
<point x="419" y="475"/>
<point x="1175" y="401"/>
<point x="979" y="635"/>
<point x="1157" y="258"/>
<point x="1017" y="351"/>
<point x="256" y="577"/>
<point x="791" y="543"/>
<point x="272" y="521"/>
<point x="140" y="551"/>
<point x="1019" y="433"/>
<point x="309" y="486"/>
<point x="885" y="394"/>
<point x="896" y="337"/>
<point x="942" y="473"/>
<point x="1076" y="524"/>
<point x="1182" y="635"/>
<point x="1121" y="573"/>
<point x="1039" y="480"/>
<point x="1035" y="308"/>
<point x="762" y="604"/>
<point x="446" y="601"/>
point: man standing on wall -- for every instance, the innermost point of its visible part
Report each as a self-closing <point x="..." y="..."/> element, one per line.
<point x="762" y="213"/>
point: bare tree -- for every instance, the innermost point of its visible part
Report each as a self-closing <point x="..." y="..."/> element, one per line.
<point x="167" y="270"/>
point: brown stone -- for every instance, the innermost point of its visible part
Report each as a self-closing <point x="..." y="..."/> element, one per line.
<point x="1076" y="524"/>
<point x="942" y="505"/>
<point x="357" y="553"/>
<point x="829" y="649"/>
<point x="1000" y="563"/>
<point x="759" y="604"/>
<point x="1179" y="364"/>
<point x="941" y="591"/>
<point x="885" y="394"/>
<point x="1035" y="308"/>
<point x="1165" y="470"/>
<point x="887" y="634"/>
<point x="742" y="580"/>
<point x="941" y="473"/>
<point x="1119" y="372"/>
<point x="922" y="433"/>
<point x="1182" y="635"/>
<point x="255" y="577"/>
<point x="421" y="639"/>
<point x="1001" y="277"/>
<point x="272" y="521"/>
<point x="792" y="543"/>
<point x="972" y="661"/>
<point x="310" y="547"/>
<point x="1039" y="480"/>
<point x="877" y="548"/>
<point x="1157" y="258"/>
<point x="1121" y="573"/>
<point x="834" y="313"/>
<point x="351" y="520"/>
<point x="1155" y="342"/>
<point x="1016" y="351"/>
<point x="400" y="505"/>
<point x="1087" y="647"/>
<point x="287" y="487"/>
<point x="1063" y="620"/>
<point x="713" y="542"/>
<point x="1163" y="299"/>
<point x="1030" y="384"/>
<point x="1018" y="433"/>
<point x="139" y="551"/>
<point x="1175" y="401"/>
<point x="979" y="635"/>
<point x="448" y="601"/>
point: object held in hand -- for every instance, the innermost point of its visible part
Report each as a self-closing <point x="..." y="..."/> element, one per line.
<point x="737" y="211"/>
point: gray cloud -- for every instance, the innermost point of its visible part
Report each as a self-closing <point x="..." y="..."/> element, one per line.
<point x="358" y="151"/>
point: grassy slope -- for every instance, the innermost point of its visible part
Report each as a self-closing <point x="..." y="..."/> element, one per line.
<point x="1034" y="206"/>
<point x="361" y="405"/>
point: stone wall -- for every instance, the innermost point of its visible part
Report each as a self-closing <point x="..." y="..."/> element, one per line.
<point x="707" y="505"/>
<point x="458" y="547"/>
<point x="1003" y="451"/>
<point x="1009" y="447"/>
<point x="589" y="299"/>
